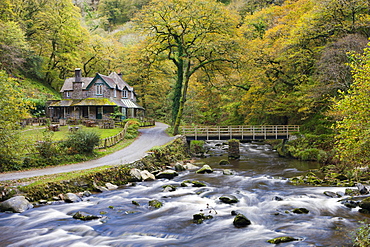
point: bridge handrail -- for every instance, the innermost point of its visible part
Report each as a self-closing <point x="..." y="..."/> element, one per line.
<point x="241" y="130"/>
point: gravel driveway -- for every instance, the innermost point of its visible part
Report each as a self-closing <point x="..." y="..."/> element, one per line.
<point x="149" y="138"/>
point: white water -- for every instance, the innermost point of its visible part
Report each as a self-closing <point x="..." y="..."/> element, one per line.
<point x="260" y="177"/>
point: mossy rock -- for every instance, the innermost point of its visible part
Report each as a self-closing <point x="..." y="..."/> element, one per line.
<point x="224" y="162"/>
<point x="300" y="211"/>
<point x="155" y="204"/>
<point x="193" y="183"/>
<point x="199" y="218"/>
<point x="205" y="169"/>
<point x="364" y="211"/>
<point x="241" y="221"/>
<point x="169" y="188"/>
<point x="365" y="203"/>
<point x="135" y="203"/>
<point x="284" y="239"/>
<point x="85" y="216"/>
<point x="229" y="199"/>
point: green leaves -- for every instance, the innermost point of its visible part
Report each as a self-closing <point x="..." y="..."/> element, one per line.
<point x="353" y="139"/>
<point x="13" y="109"/>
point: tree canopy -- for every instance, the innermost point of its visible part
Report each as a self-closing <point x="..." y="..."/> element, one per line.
<point x="201" y="61"/>
<point x="193" y="35"/>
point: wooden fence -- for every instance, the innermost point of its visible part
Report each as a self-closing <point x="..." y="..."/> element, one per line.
<point x="113" y="140"/>
<point x="145" y="122"/>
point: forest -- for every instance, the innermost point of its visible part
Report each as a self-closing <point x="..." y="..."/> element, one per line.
<point x="227" y="62"/>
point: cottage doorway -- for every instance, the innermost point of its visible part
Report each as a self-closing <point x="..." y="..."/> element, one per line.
<point x="99" y="112"/>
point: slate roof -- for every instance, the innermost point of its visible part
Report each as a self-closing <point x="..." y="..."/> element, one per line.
<point x="126" y="103"/>
<point x="113" y="81"/>
<point x="68" y="83"/>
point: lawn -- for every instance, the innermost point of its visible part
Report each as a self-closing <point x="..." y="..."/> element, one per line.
<point x="36" y="133"/>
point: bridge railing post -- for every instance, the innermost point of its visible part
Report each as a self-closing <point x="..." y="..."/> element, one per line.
<point x="276" y="132"/>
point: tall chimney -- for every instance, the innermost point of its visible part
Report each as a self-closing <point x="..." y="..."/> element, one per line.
<point x="78" y="75"/>
<point x="77" y="85"/>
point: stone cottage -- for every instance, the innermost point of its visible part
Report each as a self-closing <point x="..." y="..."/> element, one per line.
<point x="95" y="98"/>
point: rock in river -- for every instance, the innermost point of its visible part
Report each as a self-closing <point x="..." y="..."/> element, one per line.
<point x="205" y="169"/>
<point x="71" y="198"/>
<point x="301" y="211"/>
<point x="241" y="221"/>
<point x="365" y="203"/>
<point x="135" y="174"/>
<point x="169" y="174"/>
<point x="147" y="176"/>
<point x="228" y="199"/>
<point x="284" y="239"/>
<point x="362" y="189"/>
<point x="155" y="204"/>
<point x="85" y="216"/>
<point x="17" y="204"/>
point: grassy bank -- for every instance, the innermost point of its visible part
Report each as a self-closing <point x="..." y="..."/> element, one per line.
<point x="51" y="186"/>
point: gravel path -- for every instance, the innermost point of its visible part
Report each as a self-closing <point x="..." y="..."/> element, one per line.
<point x="149" y="138"/>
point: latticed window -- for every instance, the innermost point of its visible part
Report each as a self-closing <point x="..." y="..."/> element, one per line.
<point x="99" y="89"/>
<point x="124" y="94"/>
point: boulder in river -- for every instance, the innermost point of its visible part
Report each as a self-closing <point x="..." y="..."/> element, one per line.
<point x="224" y="162"/>
<point x="199" y="218"/>
<point x="241" y="221"/>
<point x="332" y="194"/>
<point x="190" y="166"/>
<point x="365" y="203"/>
<point x="169" y="174"/>
<point x="300" y="211"/>
<point x="205" y="169"/>
<point x="155" y="204"/>
<point x="284" y="239"/>
<point x="71" y="198"/>
<point x="180" y="167"/>
<point x="135" y="174"/>
<point x="169" y="188"/>
<point x="228" y="199"/>
<point x="193" y="183"/>
<point x="99" y="188"/>
<point x="85" y="216"/>
<point x="17" y="204"/>
<point x="350" y="203"/>
<point x="147" y="176"/>
<point x="111" y="186"/>
<point x="228" y="172"/>
<point x="362" y="189"/>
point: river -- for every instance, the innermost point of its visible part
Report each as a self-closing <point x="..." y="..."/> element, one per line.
<point x="260" y="182"/>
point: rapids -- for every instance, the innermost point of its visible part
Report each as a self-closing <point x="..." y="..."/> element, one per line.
<point x="260" y="181"/>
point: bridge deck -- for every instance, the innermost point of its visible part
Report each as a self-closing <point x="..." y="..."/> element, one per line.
<point x="247" y="132"/>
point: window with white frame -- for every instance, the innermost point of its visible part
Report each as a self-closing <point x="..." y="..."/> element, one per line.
<point x="68" y="95"/>
<point x="115" y="93"/>
<point x="125" y="94"/>
<point x="99" y="89"/>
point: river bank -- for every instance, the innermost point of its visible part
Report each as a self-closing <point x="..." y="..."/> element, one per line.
<point x="156" y="160"/>
<point x="162" y="212"/>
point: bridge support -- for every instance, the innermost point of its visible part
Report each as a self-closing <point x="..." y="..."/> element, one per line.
<point x="234" y="152"/>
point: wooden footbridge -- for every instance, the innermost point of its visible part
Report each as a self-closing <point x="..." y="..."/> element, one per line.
<point x="247" y="132"/>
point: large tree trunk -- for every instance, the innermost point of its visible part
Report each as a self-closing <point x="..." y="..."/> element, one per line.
<point x="177" y="92"/>
<point x="176" y="126"/>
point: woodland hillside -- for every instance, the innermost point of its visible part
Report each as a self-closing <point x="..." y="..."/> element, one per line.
<point x="226" y="62"/>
